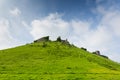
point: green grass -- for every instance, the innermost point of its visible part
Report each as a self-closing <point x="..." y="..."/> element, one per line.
<point x="55" y="61"/>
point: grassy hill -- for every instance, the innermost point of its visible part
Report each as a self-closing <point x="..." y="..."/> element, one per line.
<point x="55" y="61"/>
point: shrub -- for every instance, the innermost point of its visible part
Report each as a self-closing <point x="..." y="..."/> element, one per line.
<point x="104" y="56"/>
<point x="83" y="48"/>
<point x="59" y="39"/>
<point x="44" y="44"/>
<point x="68" y="67"/>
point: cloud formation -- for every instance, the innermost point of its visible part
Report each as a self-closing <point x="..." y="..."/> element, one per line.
<point x="5" y="37"/>
<point x="52" y="25"/>
<point x="15" y="12"/>
<point x="110" y="20"/>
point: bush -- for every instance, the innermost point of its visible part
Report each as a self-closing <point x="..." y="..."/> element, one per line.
<point x="68" y="67"/>
<point x="59" y="39"/>
<point x="104" y="56"/>
<point x="44" y="44"/>
<point x="83" y="48"/>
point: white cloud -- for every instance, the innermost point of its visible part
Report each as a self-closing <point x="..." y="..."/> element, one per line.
<point x="25" y="25"/>
<point x="111" y="20"/>
<point x="79" y="32"/>
<point x="51" y="25"/>
<point x="80" y="27"/>
<point x="15" y="12"/>
<point x="6" y="39"/>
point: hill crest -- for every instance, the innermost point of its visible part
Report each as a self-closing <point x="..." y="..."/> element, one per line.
<point x="54" y="60"/>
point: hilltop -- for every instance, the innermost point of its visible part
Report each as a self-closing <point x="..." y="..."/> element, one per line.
<point x="55" y="60"/>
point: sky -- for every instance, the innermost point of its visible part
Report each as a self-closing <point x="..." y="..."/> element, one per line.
<point x="93" y="24"/>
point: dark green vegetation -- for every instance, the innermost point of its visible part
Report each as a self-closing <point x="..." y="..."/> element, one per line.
<point x="55" y="61"/>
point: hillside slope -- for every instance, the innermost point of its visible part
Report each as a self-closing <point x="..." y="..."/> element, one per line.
<point x="55" y="61"/>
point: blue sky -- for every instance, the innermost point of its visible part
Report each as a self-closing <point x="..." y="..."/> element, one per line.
<point x="93" y="24"/>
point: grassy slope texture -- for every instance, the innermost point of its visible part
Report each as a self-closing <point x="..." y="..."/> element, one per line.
<point x="55" y="61"/>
